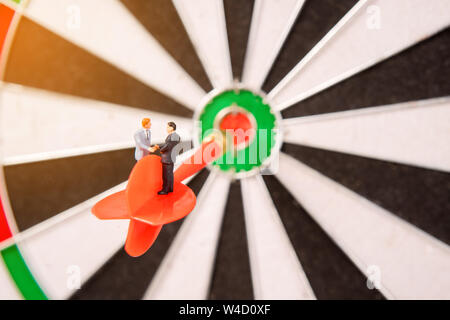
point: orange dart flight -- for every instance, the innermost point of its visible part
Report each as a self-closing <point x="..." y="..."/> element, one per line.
<point x="147" y="210"/>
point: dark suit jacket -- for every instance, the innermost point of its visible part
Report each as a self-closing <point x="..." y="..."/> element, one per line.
<point x="167" y="154"/>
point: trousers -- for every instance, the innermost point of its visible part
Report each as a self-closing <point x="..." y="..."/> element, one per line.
<point x="167" y="177"/>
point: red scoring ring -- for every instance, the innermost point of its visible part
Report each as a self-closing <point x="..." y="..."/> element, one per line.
<point x="240" y="124"/>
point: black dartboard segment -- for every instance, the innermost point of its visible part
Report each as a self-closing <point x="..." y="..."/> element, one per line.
<point x="420" y="72"/>
<point x="330" y="272"/>
<point x="419" y="196"/>
<point x="316" y="18"/>
<point x="161" y="19"/>
<point x="232" y="275"/>
<point x="238" y="16"/>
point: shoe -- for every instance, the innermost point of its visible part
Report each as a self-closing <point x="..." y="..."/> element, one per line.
<point x="163" y="192"/>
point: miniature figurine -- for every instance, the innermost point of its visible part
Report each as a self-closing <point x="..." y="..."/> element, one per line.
<point x="167" y="157"/>
<point x="143" y="138"/>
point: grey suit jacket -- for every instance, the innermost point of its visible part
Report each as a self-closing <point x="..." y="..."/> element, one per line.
<point x="168" y="151"/>
<point x="142" y="143"/>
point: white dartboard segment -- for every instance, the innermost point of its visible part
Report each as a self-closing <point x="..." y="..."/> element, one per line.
<point x="39" y="125"/>
<point x="272" y="21"/>
<point x="415" y="133"/>
<point x="404" y="261"/>
<point x="8" y="290"/>
<point x="370" y="32"/>
<point x="107" y="29"/>
<point x="276" y="270"/>
<point x="71" y="244"/>
<point x="205" y="24"/>
<point x="186" y="270"/>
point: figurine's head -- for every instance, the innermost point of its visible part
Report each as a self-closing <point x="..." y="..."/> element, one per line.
<point x="171" y="127"/>
<point x="146" y="123"/>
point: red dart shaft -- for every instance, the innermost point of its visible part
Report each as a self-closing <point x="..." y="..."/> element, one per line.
<point x="208" y="152"/>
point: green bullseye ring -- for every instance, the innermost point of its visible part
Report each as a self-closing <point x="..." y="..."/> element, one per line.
<point x="243" y="160"/>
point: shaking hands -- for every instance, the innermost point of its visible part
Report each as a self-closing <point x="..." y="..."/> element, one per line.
<point x="154" y="148"/>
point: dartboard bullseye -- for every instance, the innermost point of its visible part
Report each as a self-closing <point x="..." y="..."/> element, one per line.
<point x="249" y="126"/>
<point x="329" y="123"/>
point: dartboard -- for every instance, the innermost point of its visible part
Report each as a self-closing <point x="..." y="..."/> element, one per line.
<point x="350" y="200"/>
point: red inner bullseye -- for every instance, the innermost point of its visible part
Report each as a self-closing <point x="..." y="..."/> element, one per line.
<point x="240" y="125"/>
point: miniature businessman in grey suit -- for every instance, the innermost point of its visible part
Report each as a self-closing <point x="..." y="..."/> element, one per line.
<point x="168" y="157"/>
<point x="143" y="138"/>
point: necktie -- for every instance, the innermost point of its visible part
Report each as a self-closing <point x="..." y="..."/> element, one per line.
<point x="146" y="133"/>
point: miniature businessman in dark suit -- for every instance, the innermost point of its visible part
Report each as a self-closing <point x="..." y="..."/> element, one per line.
<point x="168" y="157"/>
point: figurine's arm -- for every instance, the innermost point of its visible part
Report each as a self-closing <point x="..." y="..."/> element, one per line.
<point x="163" y="147"/>
<point x="169" y="145"/>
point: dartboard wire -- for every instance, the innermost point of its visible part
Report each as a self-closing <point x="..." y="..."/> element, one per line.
<point x="383" y="246"/>
<point x="269" y="247"/>
<point x="91" y="113"/>
<point x="318" y="47"/>
<point x="337" y="132"/>
<point x="182" y="88"/>
<point x="314" y="21"/>
<point x="208" y="33"/>
<point x="64" y="216"/>
<point x="65" y="153"/>
<point x="186" y="270"/>
<point x="259" y="60"/>
<point x="291" y="89"/>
